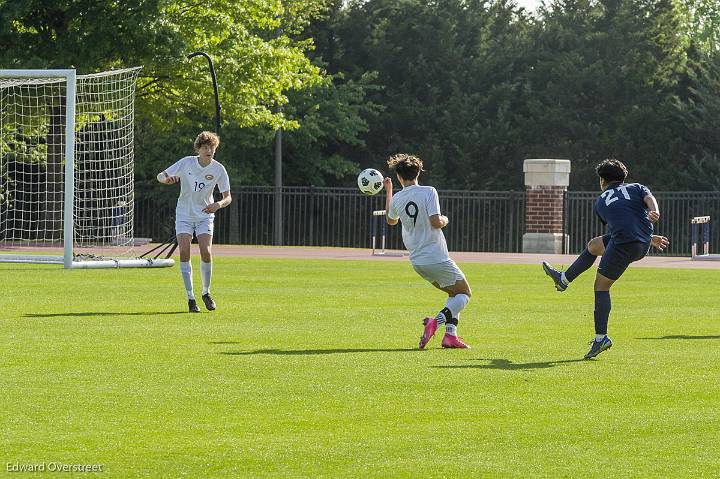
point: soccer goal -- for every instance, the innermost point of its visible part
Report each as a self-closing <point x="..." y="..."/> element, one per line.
<point x="66" y="169"/>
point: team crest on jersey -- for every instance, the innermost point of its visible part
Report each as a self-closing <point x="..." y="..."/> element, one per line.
<point x="209" y="177"/>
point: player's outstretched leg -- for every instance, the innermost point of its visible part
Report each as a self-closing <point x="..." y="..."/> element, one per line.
<point x="192" y="306"/>
<point x="582" y="263"/>
<point x="556" y="276"/>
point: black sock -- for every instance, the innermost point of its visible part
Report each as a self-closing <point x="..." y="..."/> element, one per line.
<point x="602" y="311"/>
<point x="445" y="315"/>
<point x="581" y="264"/>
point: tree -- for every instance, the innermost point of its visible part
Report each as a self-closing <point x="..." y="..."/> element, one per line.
<point x="333" y="119"/>
<point x="701" y="21"/>
<point x="602" y="85"/>
<point x="254" y="43"/>
<point x="449" y="74"/>
<point x="699" y="114"/>
<point x="250" y="41"/>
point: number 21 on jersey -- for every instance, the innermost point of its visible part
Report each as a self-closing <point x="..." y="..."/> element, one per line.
<point x="609" y="195"/>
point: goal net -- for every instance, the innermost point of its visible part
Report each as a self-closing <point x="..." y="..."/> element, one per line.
<point x="66" y="168"/>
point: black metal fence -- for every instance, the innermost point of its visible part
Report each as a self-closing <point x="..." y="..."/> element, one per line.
<point x="677" y="208"/>
<point x="492" y="221"/>
<point x="479" y="221"/>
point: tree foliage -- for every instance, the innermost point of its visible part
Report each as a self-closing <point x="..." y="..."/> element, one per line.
<point x="251" y="42"/>
<point x="472" y="86"/>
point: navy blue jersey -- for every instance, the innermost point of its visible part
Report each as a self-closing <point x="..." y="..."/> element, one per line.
<point x="622" y="209"/>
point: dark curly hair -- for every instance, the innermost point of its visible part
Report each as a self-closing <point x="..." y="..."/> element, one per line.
<point x="612" y="171"/>
<point x="407" y="166"/>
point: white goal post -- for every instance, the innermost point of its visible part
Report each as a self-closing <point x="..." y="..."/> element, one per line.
<point x="67" y="169"/>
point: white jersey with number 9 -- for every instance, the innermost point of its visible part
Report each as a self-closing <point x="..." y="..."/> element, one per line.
<point x="414" y="205"/>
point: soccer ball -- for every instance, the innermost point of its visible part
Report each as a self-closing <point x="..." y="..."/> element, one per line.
<point x="370" y="181"/>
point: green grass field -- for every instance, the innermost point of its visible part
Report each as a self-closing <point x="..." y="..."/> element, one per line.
<point x="310" y="369"/>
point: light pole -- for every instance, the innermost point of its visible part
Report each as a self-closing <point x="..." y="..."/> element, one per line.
<point x="233" y="216"/>
<point x="215" y="87"/>
<point x="278" y="196"/>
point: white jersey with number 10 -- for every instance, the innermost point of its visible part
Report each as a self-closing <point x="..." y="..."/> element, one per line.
<point x="196" y="187"/>
<point x="414" y="205"/>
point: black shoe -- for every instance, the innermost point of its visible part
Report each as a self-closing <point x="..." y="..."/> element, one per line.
<point x="597" y="347"/>
<point x="555" y="275"/>
<point x="192" y="306"/>
<point x="209" y="303"/>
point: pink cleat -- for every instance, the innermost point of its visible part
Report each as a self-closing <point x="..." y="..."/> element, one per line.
<point x="429" y="332"/>
<point x="455" y="342"/>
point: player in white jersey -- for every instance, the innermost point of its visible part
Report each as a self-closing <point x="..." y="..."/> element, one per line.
<point x="196" y="207"/>
<point x="418" y="208"/>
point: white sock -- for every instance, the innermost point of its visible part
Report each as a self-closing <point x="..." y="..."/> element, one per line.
<point x="206" y="275"/>
<point x="456" y="304"/>
<point x="599" y="337"/>
<point x="186" y="272"/>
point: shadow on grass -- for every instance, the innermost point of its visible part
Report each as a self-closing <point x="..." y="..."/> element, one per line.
<point x="509" y="365"/>
<point x="309" y="352"/>
<point x="685" y="336"/>
<point x="104" y="313"/>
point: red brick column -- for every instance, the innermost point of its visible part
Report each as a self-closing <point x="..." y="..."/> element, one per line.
<point x="544" y="208"/>
<point x="545" y="184"/>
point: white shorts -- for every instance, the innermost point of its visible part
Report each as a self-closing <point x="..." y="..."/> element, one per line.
<point x="201" y="227"/>
<point x="444" y="274"/>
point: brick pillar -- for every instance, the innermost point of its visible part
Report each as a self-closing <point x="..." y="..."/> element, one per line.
<point x="545" y="184"/>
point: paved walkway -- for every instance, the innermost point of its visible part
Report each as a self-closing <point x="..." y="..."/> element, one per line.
<point x="364" y="254"/>
<point x="462" y="257"/>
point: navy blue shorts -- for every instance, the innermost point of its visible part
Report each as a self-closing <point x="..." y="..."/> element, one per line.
<point x="617" y="257"/>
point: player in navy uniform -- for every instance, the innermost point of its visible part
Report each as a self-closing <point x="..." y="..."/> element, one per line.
<point x="629" y="211"/>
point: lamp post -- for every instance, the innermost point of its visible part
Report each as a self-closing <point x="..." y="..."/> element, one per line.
<point x="233" y="213"/>
<point x="278" y="193"/>
<point x="215" y="87"/>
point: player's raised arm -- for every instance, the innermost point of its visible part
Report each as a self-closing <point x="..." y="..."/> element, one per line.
<point x="387" y="183"/>
<point x="653" y="209"/>
<point x="437" y="220"/>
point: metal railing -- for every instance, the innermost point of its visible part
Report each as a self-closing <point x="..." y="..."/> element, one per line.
<point x="341" y="217"/>
<point x="492" y="221"/>
<point x="677" y="208"/>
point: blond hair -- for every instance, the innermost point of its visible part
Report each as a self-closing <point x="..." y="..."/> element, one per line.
<point x="206" y="138"/>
